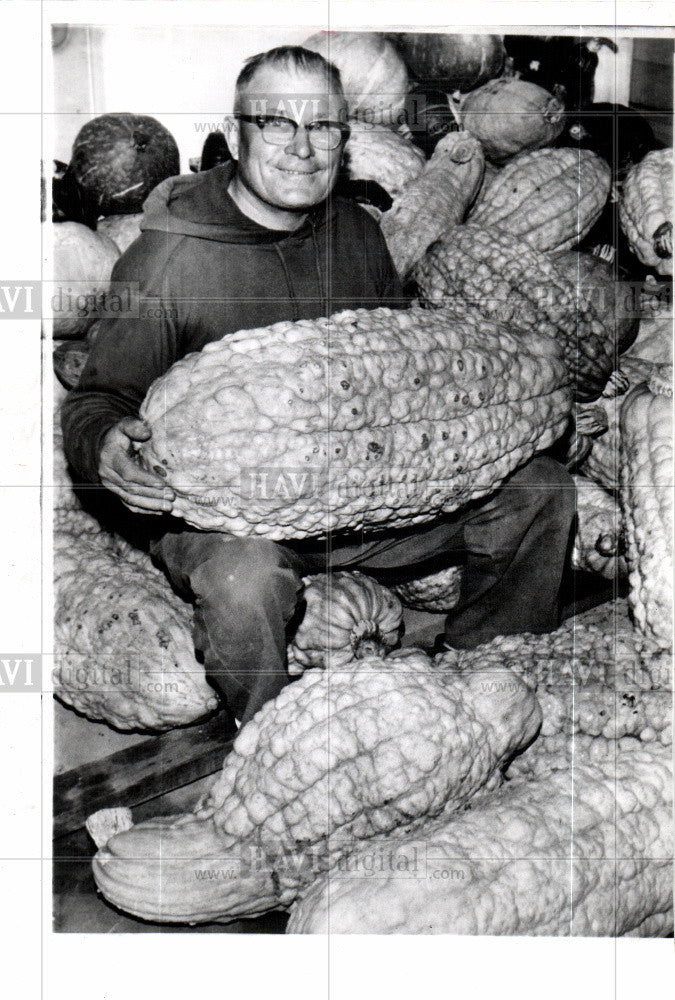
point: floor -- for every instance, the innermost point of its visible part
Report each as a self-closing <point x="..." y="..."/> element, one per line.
<point x="77" y="905"/>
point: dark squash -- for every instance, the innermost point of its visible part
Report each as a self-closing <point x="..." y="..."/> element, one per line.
<point x="453" y="62"/>
<point x="118" y="159"/>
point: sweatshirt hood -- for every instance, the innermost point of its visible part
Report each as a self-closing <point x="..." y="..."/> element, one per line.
<point x="198" y="205"/>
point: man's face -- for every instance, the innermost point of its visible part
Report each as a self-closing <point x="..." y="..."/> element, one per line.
<point x="293" y="176"/>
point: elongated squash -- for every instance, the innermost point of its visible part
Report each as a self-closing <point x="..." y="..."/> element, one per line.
<point x="550" y="198"/>
<point x="647" y="502"/>
<point x="339" y="757"/>
<point x="375" y="153"/>
<point x="583" y="850"/>
<point x="365" y="418"/>
<point x="646" y="210"/>
<point x="595" y="675"/>
<point x="437" y="199"/>
<point x="504" y="279"/>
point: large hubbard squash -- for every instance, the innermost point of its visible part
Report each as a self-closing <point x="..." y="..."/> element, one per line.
<point x="339" y="757"/>
<point x="503" y="279"/>
<point x="646" y="449"/>
<point x="549" y="197"/>
<point x="364" y="418"/>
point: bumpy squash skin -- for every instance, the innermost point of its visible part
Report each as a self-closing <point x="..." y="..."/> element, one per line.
<point x="339" y="757"/>
<point x="596" y="285"/>
<point x="123" y="643"/>
<point x="438" y="199"/>
<point x="646" y="210"/>
<point x="647" y="502"/>
<point x="505" y="280"/>
<point x="574" y="851"/>
<point x="396" y="416"/>
<point x="435" y="592"/>
<point x="595" y="675"/>
<point x="348" y="616"/>
<point x="549" y="197"/>
<point x="508" y="116"/>
<point x="375" y="153"/>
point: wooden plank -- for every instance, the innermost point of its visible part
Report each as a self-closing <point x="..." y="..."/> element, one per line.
<point x="141" y="772"/>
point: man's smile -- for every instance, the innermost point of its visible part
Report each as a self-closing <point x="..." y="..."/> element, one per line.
<point x="299" y="173"/>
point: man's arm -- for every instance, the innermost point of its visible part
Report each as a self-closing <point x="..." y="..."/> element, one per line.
<point x="130" y="352"/>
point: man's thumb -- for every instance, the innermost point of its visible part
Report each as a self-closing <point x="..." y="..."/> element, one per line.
<point x="137" y="430"/>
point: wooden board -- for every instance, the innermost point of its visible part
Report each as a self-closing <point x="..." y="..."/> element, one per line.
<point x="147" y="768"/>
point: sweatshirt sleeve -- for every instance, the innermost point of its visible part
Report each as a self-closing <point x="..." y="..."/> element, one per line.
<point x="132" y="349"/>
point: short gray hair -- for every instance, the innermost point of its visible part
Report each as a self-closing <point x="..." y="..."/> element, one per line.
<point x="290" y="57"/>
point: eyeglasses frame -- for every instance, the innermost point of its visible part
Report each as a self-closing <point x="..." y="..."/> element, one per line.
<point x="261" y="121"/>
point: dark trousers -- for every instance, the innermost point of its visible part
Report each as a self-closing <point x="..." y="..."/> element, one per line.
<point x="512" y="546"/>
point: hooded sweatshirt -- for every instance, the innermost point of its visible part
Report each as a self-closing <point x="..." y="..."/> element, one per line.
<point x="200" y="270"/>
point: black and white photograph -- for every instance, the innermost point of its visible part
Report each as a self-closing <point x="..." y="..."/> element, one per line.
<point x="356" y="494"/>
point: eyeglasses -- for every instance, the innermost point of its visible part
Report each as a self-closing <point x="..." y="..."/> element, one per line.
<point x="277" y="130"/>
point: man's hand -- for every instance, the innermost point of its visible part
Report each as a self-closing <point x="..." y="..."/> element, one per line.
<point x="120" y="471"/>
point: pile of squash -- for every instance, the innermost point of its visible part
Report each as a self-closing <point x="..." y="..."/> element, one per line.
<point x="347" y="762"/>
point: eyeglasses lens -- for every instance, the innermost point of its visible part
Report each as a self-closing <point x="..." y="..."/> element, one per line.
<point x="322" y="135"/>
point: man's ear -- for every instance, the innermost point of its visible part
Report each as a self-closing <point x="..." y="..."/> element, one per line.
<point x="232" y="126"/>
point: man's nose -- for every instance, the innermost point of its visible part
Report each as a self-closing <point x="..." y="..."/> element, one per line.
<point x="300" y="144"/>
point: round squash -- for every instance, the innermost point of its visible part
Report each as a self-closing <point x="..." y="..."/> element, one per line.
<point x="454" y="62"/>
<point x="646" y="210"/>
<point x="118" y="159"/>
<point x="83" y="263"/>
<point x="509" y="115"/>
<point x="348" y="616"/>
<point x="374" y="77"/>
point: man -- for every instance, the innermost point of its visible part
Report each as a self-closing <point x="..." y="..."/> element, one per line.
<point x="248" y="244"/>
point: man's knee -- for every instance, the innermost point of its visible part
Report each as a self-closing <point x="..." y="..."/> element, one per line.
<point x="544" y="484"/>
<point x="244" y="569"/>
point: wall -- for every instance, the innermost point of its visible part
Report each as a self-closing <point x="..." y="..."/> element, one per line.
<point x="183" y="76"/>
